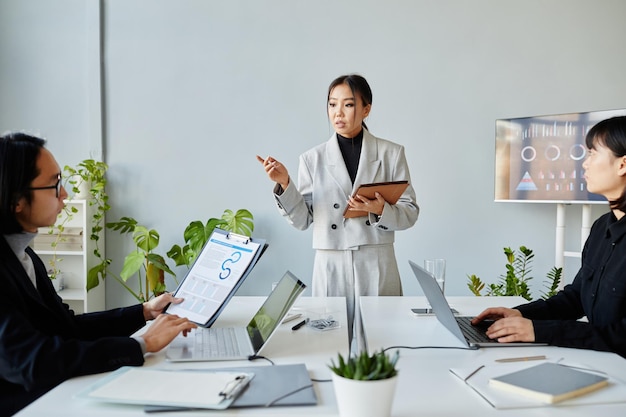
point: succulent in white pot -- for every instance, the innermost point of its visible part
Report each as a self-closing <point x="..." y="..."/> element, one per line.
<point x="365" y="384"/>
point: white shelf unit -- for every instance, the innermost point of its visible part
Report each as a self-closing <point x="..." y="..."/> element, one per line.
<point x="75" y="257"/>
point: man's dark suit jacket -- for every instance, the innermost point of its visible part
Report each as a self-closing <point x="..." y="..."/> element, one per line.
<point x="42" y="341"/>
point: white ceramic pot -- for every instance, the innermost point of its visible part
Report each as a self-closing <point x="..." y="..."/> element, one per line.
<point x="83" y="190"/>
<point x="57" y="282"/>
<point x="364" y="398"/>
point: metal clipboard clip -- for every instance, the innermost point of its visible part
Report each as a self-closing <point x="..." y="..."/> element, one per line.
<point x="233" y="388"/>
<point x="241" y="238"/>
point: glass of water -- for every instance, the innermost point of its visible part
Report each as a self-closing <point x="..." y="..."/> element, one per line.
<point x="437" y="268"/>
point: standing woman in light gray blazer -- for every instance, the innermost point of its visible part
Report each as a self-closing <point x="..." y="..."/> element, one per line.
<point x="353" y="256"/>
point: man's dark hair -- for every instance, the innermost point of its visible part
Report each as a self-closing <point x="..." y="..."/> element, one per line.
<point x="18" y="168"/>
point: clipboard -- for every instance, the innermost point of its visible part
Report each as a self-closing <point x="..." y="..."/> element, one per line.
<point x="272" y="386"/>
<point x="160" y="387"/>
<point x="391" y="192"/>
<point x="224" y="263"/>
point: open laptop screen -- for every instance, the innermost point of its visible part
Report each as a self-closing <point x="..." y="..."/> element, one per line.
<point x="274" y="309"/>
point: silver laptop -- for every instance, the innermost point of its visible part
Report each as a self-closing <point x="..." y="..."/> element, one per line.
<point x="239" y="343"/>
<point x="459" y="326"/>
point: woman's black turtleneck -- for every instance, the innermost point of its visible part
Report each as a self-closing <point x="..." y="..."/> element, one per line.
<point x="351" y="151"/>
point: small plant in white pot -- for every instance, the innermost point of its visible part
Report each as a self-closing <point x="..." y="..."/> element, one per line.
<point x="365" y="384"/>
<point x="87" y="180"/>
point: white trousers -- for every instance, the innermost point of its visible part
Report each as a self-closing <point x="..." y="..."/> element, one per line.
<point x="369" y="270"/>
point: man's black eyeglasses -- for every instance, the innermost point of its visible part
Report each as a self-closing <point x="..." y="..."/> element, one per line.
<point x="56" y="186"/>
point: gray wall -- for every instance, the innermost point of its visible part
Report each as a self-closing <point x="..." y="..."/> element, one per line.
<point x="193" y="89"/>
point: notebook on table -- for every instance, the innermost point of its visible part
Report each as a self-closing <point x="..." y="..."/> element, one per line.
<point x="239" y="343"/>
<point x="459" y="326"/>
<point x="550" y="382"/>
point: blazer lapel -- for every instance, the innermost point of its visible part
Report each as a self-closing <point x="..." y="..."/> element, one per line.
<point x="17" y="276"/>
<point x="336" y="166"/>
<point x="369" y="162"/>
<point x="16" y="282"/>
<point x="46" y="295"/>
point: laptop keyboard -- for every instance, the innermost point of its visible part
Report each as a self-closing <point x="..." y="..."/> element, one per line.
<point x="217" y="342"/>
<point x="473" y="333"/>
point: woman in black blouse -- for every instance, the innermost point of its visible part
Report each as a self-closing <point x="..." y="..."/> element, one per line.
<point x="598" y="291"/>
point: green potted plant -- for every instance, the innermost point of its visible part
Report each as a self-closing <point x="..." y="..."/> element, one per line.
<point x="84" y="181"/>
<point x="150" y="267"/>
<point x="87" y="181"/>
<point x="197" y="233"/>
<point x="143" y="262"/>
<point x="515" y="281"/>
<point x="365" y="384"/>
<point x="57" y="233"/>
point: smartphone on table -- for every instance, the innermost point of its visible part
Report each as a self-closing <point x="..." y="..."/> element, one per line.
<point x="427" y="311"/>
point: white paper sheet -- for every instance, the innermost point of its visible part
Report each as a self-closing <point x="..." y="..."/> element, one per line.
<point x="131" y="385"/>
<point x="217" y="270"/>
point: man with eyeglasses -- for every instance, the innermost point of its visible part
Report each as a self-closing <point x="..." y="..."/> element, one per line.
<point x="42" y="342"/>
<point x="57" y="186"/>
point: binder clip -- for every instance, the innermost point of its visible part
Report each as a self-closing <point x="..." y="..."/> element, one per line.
<point x="323" y="324"/>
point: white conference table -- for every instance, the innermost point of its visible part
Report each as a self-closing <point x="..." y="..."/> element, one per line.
<point x="425" y="384"/>
<point x="312" y="347"/>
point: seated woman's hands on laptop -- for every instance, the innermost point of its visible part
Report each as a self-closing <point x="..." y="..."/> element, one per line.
<point x="509" y="325"/>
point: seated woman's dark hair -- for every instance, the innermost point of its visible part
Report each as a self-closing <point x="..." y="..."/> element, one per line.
<point x="612" y="134"/>
<point x="18" y="168"/>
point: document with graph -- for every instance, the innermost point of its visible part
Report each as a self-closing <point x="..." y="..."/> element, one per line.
<point x="219" y="270"/>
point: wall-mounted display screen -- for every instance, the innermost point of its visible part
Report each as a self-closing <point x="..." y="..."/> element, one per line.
<point x="539" y="159"/>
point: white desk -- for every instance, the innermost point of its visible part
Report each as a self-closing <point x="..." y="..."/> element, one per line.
<point x="313" y="348"/>
<point x="425" y="385"/>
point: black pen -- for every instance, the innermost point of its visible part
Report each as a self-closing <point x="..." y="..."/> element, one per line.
<point x="297" y="326"/>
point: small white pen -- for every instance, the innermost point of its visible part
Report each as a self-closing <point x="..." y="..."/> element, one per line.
<point x="522" y="359"/>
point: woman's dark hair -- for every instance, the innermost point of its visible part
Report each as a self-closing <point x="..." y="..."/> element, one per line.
<point x="18" y="168"/>
<point x="358" y="85"/>
<point x="612" y="134"/>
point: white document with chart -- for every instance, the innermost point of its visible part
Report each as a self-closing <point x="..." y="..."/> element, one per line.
<point x="219" y="270"/>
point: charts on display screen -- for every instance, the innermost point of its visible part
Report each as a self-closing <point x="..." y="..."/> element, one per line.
<point x="540" y="158"/>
